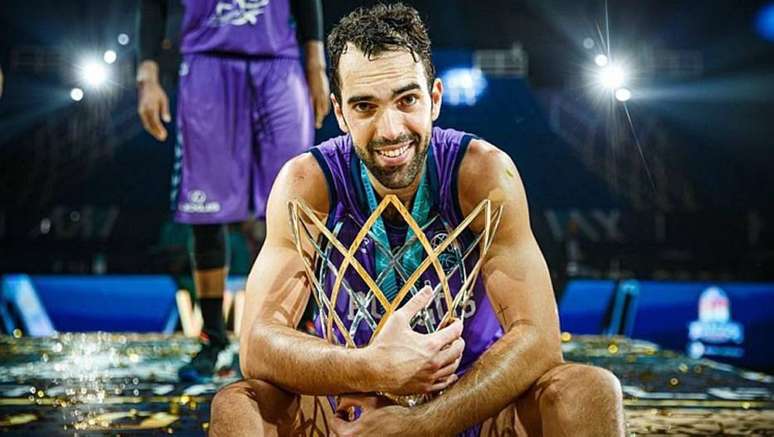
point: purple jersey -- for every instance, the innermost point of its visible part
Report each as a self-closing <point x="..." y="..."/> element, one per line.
<point x="348" y="212"/>
<point x="241" y="27"/>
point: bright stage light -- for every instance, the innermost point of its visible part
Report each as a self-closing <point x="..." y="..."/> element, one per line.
<point x="94" y="74"/>
<point x="623" y="94"/>
<point x="110" y="56"/>
<point x="612" y="76"/>
<point x="463" y="86"/>
<point x="765" y="22"/>
<point x="76" y="94"/>
<point x="123" y="39"/>
<point x="601" y="60"/>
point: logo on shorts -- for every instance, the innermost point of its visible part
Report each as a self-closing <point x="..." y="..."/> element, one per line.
<point x="197" y="203"/>
<point x="237" y="12"/>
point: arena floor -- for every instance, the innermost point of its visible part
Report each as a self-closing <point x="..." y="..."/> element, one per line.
<point x="89" y="384"/>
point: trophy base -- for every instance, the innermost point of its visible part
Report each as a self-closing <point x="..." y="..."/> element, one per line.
<point x="410" y="400"/>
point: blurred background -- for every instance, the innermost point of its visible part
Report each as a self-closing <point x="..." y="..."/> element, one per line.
<point x="642" y="131"/>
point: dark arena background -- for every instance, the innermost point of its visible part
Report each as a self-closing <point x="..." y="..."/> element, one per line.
<point x="643" y="131"/>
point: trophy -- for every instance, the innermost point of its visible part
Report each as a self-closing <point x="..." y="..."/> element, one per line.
<point x="354" y="298"/>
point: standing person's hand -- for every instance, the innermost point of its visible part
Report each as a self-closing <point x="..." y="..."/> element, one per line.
<point x="320" y="93"/>
<point x="317" y="80"/>
<point x="152" y="102"/>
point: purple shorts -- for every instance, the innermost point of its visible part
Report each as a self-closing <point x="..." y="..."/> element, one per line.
<point x="238" y="121"/>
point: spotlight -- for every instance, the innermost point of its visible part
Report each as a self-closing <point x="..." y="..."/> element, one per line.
<point x="123" y="39"/>
<point x="601" y="60"/>
<point x="76" y="94"/>
<point x="94" y="74"/>
<point x="765" y="22"/>
<point x="623" y="94"/>
<point x="463" y="86"/>
<point x="612" y="76"/>
<point x="110" y="56"/>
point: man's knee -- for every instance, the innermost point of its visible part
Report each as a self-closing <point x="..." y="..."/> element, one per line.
<point x="584" y="387"/>
<point x="252" y="404"/>
<point x="230" y="395"/>
<point x="581" y="400"/>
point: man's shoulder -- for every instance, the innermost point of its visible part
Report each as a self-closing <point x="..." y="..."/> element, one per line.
<point x="483" y="173"/>
<point x="302" y="178"/>
<point x="482" y="159"/>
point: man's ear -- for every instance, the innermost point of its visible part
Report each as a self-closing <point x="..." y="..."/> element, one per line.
<point x="339" y="115"/>
<point x="436" y="96"/>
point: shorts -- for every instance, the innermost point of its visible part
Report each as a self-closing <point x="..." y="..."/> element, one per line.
<point x="238" y="121"/>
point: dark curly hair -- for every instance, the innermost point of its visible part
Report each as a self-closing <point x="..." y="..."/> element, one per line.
<point x="378" y="29"/>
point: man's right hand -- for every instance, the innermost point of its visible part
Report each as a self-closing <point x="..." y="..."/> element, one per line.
<point x="153" y="104"/>
<point x="408" y="362"/>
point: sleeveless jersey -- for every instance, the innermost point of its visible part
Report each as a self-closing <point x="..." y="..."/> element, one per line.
<point x="348" y="212"/>
<point x="261" y="28"/>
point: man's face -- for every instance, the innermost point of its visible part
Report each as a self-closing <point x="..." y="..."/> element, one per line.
<point x="387" y="108"/>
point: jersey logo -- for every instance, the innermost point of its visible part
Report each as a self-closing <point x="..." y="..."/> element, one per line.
<point x="451" y="256"/>
<point x="237" y="12"/>
<point x="363" y="306"/>
<point x="197" y="203"/>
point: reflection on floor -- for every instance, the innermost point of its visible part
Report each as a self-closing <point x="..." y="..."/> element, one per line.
<point x="126" y="383"/>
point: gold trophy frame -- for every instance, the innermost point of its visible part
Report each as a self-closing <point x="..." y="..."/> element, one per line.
<point x="303" y="219"/>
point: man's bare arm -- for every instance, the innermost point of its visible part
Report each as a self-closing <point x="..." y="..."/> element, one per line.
<point x="519" y="288"/>
<point x="271" y="349"/>
<point x="317" y="80"/>
<point x="399" y="361"/>
<point x="152" y="102"/>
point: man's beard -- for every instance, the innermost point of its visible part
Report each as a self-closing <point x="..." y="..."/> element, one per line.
<point x="396" y="177"/>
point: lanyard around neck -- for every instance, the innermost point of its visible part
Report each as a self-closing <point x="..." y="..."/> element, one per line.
<point x="412" y="256"/>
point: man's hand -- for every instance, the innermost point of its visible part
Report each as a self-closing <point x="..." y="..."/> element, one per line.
<point x="319" y="90"/>
<point x="378" y="420"/>
<point x="413" y="363"/>
<point x="153" y="104"/>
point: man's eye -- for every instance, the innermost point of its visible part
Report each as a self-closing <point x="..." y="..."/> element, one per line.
<point x="362" y="107"/>
<point x="410" y="99"/>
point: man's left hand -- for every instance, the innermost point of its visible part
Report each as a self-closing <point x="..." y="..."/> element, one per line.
<point x="392" y="420"/>
<point x="319" y="90"/>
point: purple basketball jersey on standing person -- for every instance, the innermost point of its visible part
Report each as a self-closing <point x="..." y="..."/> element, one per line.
<point x="349" y="211"/>
<point x="241" y="27"/>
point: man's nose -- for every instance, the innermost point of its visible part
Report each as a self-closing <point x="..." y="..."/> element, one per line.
<point x="390" y="126"/>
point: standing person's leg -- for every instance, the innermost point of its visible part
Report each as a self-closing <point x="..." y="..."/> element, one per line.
<point x="283" y="121"/>
<point x="210" y="270"/>
<point x="211" y="184"/>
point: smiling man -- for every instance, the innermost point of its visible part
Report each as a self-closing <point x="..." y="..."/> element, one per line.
<point x="503" y="372"/>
